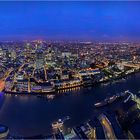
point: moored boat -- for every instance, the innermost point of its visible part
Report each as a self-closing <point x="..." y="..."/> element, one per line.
<point x="106" y="101"/>
<point x="112" y="99"/>
<point x="100" y="104"/>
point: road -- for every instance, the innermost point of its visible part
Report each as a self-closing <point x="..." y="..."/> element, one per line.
<point x="92" y="134"/>
<point x="2" y="85"/>
<point x="128" y="64"/>
<point x="108" y="130"/>
<point x="2" y="81"/>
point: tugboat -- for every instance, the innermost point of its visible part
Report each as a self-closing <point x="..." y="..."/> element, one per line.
<point x="50" y="97"/>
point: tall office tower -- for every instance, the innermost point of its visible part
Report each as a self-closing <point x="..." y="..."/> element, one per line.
<point x="50" y="53"/>
<point x="27" y="50"/>
<point x="1" y="53"/>
<point x="13" y="54"/>
<point x="40" y="59"/>
<point x="7" y="54"/>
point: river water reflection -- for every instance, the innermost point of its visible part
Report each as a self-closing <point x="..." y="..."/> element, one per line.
<point x="29" y="115"/>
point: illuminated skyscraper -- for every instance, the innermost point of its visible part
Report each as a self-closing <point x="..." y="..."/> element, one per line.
<point x="13" y="54"/>
<point x="27" y="50"/>
<point x="39" y="59"/>
<point x="1" y="53"/>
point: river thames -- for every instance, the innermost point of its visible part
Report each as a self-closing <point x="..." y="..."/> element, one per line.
<point x="28" y="115"/>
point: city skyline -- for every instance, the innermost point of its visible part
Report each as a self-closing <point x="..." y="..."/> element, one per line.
<point x="94" y="21"/>
<point x="63" y="59"/>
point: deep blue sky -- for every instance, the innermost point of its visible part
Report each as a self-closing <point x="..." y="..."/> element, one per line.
<point x="70" y="20"/>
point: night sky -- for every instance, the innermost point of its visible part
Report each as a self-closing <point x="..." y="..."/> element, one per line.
<point x="100" y="21"/>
